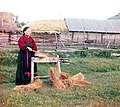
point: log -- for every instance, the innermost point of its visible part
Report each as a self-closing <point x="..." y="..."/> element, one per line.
<point x="115" y="54"/>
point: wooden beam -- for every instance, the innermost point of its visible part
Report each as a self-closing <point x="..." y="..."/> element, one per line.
<point x="41" y="77"/>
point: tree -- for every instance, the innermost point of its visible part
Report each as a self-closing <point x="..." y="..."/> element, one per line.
<point x="20" y="25"/>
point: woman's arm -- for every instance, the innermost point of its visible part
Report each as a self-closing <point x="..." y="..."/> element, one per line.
<point x="22" y="44"/>
<point x="34" y="45"/>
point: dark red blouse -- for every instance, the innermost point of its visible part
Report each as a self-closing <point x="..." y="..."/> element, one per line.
<point x="23" y="39"/>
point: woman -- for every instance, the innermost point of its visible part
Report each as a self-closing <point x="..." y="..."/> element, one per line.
<point x="26" y="45"/>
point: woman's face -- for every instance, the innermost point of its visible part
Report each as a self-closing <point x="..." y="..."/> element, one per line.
<point x="28" y="32"/>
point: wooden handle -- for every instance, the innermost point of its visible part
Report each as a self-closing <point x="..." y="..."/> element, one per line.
<point x="31" y="49"/>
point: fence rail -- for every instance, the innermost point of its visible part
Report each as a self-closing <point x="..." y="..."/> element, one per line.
<point x="51" y="44"/>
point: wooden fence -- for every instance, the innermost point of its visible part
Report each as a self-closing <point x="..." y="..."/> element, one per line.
<point x="56" y="42"/>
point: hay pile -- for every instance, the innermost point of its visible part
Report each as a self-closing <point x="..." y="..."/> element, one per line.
<point x="29" y="87"/>
<point x="64" y="80"/>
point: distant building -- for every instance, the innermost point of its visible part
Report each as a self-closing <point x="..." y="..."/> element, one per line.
<point x="8" y="22"/>
<point x="116" y="17"/>
<point x="96" y="31"/>
<point x="8" y="28"/>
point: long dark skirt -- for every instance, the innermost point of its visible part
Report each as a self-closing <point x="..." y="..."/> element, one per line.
<point x="23" y="73"/>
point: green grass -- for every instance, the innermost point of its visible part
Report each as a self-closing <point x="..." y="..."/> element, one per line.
<point x="103" y="73"/>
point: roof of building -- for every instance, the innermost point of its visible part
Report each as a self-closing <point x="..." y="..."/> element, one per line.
<point x="6" y="22"/>
<point x="116" y="17"/>
<point x="47" y="26"/>
<point x="89" y="25"/>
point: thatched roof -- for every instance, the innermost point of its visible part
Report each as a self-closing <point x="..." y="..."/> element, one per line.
<point x="7" y="23"/>
<point x="47" y="26"/>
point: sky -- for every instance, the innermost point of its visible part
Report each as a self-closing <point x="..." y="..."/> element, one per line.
<point x="33" y="10"/>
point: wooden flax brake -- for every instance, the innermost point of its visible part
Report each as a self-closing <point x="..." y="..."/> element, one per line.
<point x="43" y="60"/>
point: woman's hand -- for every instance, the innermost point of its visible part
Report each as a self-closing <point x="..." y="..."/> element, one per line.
<point x="30" y="49"/>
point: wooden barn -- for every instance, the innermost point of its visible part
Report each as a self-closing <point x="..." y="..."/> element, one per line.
<point x="8" y="27"/>
<point x="47" y="31"/>
<point x="93" y="31"/>
<point x="80" y="30"/>
<point x="8" y="22"/>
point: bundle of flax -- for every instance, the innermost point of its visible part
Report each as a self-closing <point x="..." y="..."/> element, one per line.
<point x="40" y="54"/>
<point x="29" y="87"/>
<point x="79" y="80"/>
<point x="62" y="80"/>
<point x="55" y="78"/>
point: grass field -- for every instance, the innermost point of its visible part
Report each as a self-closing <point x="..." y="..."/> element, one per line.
<point x="103" y="73"/>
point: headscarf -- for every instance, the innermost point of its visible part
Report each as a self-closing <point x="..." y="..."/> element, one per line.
<point x="25" y="30"/>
